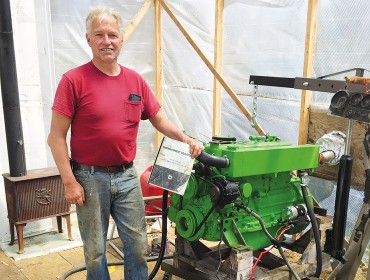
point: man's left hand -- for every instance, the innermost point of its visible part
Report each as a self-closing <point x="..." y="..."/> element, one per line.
<point x="196" y="147"/>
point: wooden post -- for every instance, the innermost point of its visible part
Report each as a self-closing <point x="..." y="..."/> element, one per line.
<point x="158" y="61"/>
<point x="308" y="69"/>
<point x="219" y="18"/>
<point x="233" y="96"/>
<point x="137" y="19"/>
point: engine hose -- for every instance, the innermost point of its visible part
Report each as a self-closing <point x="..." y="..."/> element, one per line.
<point x="272" y="239"/>
<point x="164" y="235"/>
<point x="211" y="160"/>
<point x="160" y="257"/>
<point x="315" y="229"/>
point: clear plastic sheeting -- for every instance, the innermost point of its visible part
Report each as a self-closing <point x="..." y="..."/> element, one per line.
<point x="341" y="41"/>
<point x="265" y="37"/>
<point x="260" y="37"/>
<point x="264" y="40"/>
<point x="281" y="114"/>
<point x="324" y="192"/>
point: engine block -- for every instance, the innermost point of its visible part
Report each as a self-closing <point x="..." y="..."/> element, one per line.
<point x="259" y="176"/>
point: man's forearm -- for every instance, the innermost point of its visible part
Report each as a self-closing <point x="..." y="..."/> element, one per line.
<point x="169" y="129"/>
<point x="162" y="124"/>
<point x="59" y="150"/>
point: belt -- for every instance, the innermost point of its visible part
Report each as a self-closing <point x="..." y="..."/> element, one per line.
<point x="108" y="169"/>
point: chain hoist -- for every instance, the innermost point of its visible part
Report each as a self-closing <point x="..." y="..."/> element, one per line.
<point x="254" y="112"/>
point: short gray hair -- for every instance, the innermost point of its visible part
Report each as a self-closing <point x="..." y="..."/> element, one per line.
<point x="103" y="13"/>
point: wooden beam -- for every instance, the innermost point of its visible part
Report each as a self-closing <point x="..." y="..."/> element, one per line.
<point x="308" y="69"/>
<point x="233" y="96"/>
<point x="219" y="19"/>
<point x="158" y="62"/>
<point x="137" y="19"/>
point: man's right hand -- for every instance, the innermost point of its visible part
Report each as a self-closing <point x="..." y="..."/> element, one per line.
<point x="60" y="124"/>
<point x="74" y="193"/>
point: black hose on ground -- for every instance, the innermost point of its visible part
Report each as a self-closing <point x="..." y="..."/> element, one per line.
<point x="82" y="268"/>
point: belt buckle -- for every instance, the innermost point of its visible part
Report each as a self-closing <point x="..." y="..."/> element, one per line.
<point x="115" y="169"/>
<point x="110" y="169"/>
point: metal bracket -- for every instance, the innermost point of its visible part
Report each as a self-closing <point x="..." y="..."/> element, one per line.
<point x="313" y="84"/>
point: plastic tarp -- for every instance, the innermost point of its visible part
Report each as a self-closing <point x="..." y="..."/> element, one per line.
<point x="259" y="38"/>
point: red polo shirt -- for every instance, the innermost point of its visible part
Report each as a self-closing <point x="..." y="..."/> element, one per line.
<point x="104" y="121"/>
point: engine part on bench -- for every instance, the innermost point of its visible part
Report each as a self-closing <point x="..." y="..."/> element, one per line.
<point x="332" y="147"/>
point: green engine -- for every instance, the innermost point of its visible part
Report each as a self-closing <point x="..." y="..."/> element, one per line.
<point x="256" y="174"/>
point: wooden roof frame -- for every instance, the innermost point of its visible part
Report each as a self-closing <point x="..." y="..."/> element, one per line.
<point x="216" y="67"/>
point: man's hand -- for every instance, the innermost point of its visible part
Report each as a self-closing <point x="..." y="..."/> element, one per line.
<point x="74" y="193"/>
<point x="196" y="147"/>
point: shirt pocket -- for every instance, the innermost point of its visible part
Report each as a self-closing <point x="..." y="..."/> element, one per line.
<point x="133" y="111"/>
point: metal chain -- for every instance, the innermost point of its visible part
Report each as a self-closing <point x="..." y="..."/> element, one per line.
<point x="254" y="113"/>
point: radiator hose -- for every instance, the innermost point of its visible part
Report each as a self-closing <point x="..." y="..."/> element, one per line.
<point x="211" y="160"/>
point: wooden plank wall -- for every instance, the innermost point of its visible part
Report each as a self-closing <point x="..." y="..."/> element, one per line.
<point x="321" y="123"/>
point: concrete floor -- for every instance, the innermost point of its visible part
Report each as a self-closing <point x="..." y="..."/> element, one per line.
<point x="53" y="266"/>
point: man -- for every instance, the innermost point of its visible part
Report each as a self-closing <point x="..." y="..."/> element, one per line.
<point x="103" y="103"/>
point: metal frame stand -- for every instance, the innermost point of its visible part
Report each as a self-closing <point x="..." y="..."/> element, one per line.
<point x="361" y="235"/>
<point x="194" y="260"/>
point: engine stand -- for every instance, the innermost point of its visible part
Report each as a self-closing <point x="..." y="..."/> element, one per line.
<point x="195" y="260"/>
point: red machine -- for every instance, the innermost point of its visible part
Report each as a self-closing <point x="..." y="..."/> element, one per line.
<point x="151" y="208"/>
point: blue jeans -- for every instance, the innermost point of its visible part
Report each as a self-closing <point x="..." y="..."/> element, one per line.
<point x="120" y="196"/>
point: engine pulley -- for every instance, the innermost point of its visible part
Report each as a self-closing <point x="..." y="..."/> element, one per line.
<point x="187" y="220"/>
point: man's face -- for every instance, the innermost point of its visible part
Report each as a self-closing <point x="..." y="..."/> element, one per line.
<point x="105" y="41"/>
